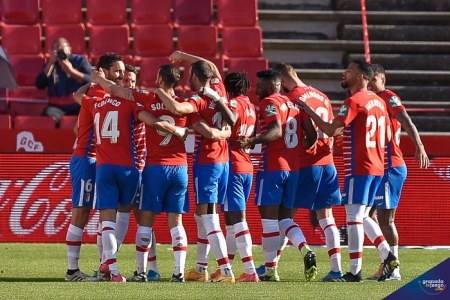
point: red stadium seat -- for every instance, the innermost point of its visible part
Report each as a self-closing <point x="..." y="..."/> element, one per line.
<point x="237" y="13"/>
<point x="34" y="122"/>
<point x="27" y="101"/>
<point x="68" y="122"/>
<point x="200" y="40"/>
<point x="150" y="12"/>
<point x="152" y="40"/>
<point x="192" y="12"/>
<point x="23" y="12"/>
<point x="241" y="42"/>
<point x="106" y="12"/>
<point x="74" y="33"/>
<point x="5" y="122"/>
<point x="249" y="66"/>
<point x="61" y="12"/>
<point x="104" y="39"/>
<point x="4" y="107"/>
<point x="149" y="67"/>
<point x="22" y="39"/>
<point x="26" y="68"/>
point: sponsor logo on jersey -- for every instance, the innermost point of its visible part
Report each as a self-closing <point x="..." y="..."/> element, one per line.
<point x="196" y="97"/>
<point x="343" y="111"/>
<point x="215" y="81"/>
<point x="270" y="110"/>
<point x="143" y="91"/>
<point x="233" y="103"/>
<point x="394" y="101"/>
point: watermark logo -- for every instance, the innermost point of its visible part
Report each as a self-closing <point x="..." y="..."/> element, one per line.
<point x="432" y="287"/>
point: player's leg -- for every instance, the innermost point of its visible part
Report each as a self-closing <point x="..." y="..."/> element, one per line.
<point x="83" y="189"/>
<point x="238" y="191"/>
<point x="268" y="194"/>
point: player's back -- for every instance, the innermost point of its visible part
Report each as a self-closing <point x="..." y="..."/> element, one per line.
<point x="393" y="105"/>
<point x="321" y="153"/>
<point x="245" y="126"/>
<point x="113" y="123"/>
<point x="365" y="136"/>
<point x="282" y="153"/>
<point x="162" y="148"/>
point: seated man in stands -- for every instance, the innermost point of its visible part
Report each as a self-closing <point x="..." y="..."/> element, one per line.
<point x="63" y="74"/>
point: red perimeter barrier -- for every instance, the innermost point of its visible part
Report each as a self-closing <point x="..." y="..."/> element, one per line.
<point x="35" y="204"/>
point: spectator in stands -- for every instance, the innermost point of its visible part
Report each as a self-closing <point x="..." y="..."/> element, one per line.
<point x="63" y="74"/>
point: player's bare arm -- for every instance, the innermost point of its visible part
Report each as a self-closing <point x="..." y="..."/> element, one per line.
<point x="230" y="117"/>
<point x="175" y="107"/>
<point x="81" y="92"/>
<point x="331" y="129"/>
<point x="162" y="125"/>
<point x="110" y="86"/>
<point x="274" y="131"/>
<point x="178" y="56"/>
<point x="310" y="137"/>
<point x="407" y="124"/>
<point x="212" y="133"/>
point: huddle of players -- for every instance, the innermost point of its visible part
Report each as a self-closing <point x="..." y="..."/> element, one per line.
<point x="297" y="168"/>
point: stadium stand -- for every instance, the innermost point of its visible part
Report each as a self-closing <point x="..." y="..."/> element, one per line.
<point x="106" y="12"/>
<point x="61" y="12"/>
<point x="192" y="12"/>
<point x="151" y="12"/>
<point x="152" y="40"/>
<point x="237" y="13"/>
<point x="34" y="122"/>
<point x="74" y="33"/>
<point x="68" y="122"/>
<point x="22" y="39"/>
<point x="5" y="122"/>
<point x="24" y="12"/>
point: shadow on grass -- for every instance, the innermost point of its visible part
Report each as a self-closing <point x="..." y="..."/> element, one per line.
<point x="21" y="279"/>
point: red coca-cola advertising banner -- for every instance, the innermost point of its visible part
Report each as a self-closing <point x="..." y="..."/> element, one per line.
<point x="35" y="204"/>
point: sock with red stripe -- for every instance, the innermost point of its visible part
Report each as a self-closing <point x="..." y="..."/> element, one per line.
<point x="217" y="241"/>
<point x="333" y="242"/>
<point x="179" y="246"/>
<point x="110" y="245"/>
<point x="143" y="243"/>
<point x="373" y="232"/>
<point x="73" y="242"/>
<point x="270" y="242"/>
<point x="203" y="246"/>
<point x="283" y="243"/>
<point x="151" y="261"/>
<point x="355" y="215"/>
<point x="295" y="235"/>
<point x="231" y="243"/>
<point x="244" y="245"/>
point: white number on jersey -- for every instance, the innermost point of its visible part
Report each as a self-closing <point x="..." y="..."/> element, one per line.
<point x="109" y="127"/>
<point x="217" y="120"/>
<point x="290" y="137"/>
<point x="373" y="124"/>
<point x="167" y="136"/>
<point x="397" y="136"/>
<point x="322" y="112"/>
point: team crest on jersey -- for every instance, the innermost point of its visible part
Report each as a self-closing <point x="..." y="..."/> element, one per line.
<point x="233" y="103"/>
<point x="196" y="97"/>
<point x="394" y="101"/>
<point x="215" y="81"/>
<point x="343" y="111"/>
<point x="142" y="91"/>
<point x="270" y="110"/>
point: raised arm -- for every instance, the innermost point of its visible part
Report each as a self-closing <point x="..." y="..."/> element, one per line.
<point x="178" y="56"/>
<point x="407" y="124"/>
<point x="111" y="87"/>
<point x="229" y="116"/>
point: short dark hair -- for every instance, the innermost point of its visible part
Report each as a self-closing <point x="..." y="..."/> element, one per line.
<point x="365" y="68"/>
<point x="132" y="69"/>
<point x="269" y="75"/>
<point x="284" y="68"/>
<point x="170" y="75"/>
<point x="108" y="59"/>
<point x="378" y="69"/>
<point x="202" y="70"/>
<point x="236" y="84"/>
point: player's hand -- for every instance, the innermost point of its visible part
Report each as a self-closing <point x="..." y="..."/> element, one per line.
<point x="422" y="157"/>
<point x="209" y="92"/>
<point x="182" y="133"/>
<point x="97" y="74"/>
<point x="176" y="56"/>
<point x="244" y="142"/>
